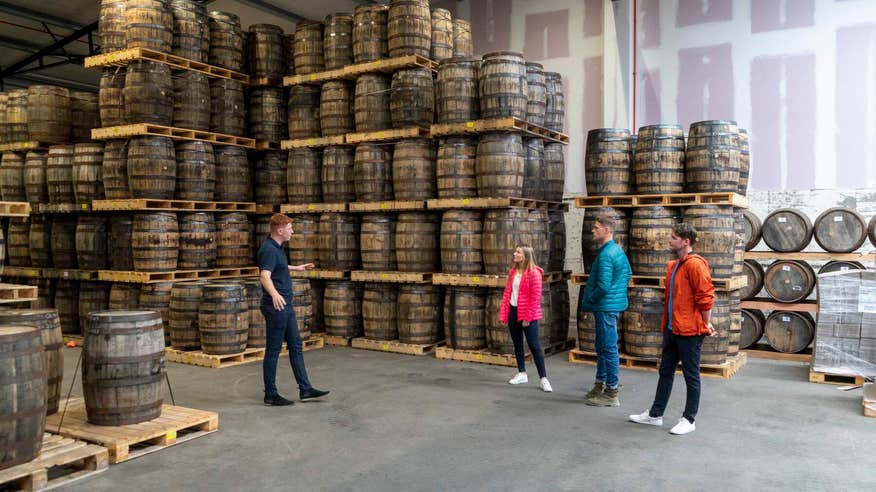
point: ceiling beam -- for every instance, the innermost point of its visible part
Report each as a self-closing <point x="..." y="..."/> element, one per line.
<point x="48" y="50"/>
<point x="33" y="78"/>
<point x="272" y="9"/>
<point x="26" y="13"/>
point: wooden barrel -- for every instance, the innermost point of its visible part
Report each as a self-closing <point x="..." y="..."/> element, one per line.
<point x="414" y="170"/>
<point x="585" y="329"/>
<point x="12" y="177"/>
<point x="754" y="275"/>
<point x="501" y="160"/>
<point x="504" y="229"/>
<point x="536" y="94"/>
<point x="18" y="243"/>
<point x="303" y="111"/>
<point x="148" y="93"/>
<point x="155" y="242"/>
<point x="308" y="54"/>
<point x="270" y="177"/>
<point x="555" y="110"/>
<point x="302" y="304"/>
<point x="111" y="25"/>
<point x="717" y="240"/>
<point x="115" y="170"/>
<point x="560" y="309"/>
<point x="317" y="295"/>
<point x="197" y="241"/>
<point x="87" y="172"/>
<point x="124" y="296"/>
<point x="789" y="281"/>
<point x="304" y="244"/>
<point x="416" y="242"/>
<point x="442" y="34"/>
<point x="233" y="177"/>
<point x="93" y="297"/>
<point x="829" y="267"/>
<point x="369" y="33"/>
<point x="744" y="162"/>
<point x="786" y="230"/>
<point x="462" y="241"/>
<point x="409" y="28"/>
<point x="607" y="162"/>
<point x="63" y="241"/>
<point x="265" y="48"/>
<point x="267" y="114"/>
<point x="92" y="245"/>
<point x="372" y="172"/>
<point x="227" y="107"/>
<point x="554" y="171"/>
<point x="498" y="336"/>
<point x="257" y="331"/>
<point x="464" y="313"/>
<point x="371" y="105"/>
<point x="288" y="53"/>
<point x="556" y="261"/>
<point x="712" y="157"/>
<point x="336" y="108"/>
<point x="871" y="230"/>
<point x="59" y="174"/>
<point x="45" y="293"/>
<point x="304" y="176"/>
<point x="121" y="233"/>
<point x="727" y="319"/>
<point x="233" y="240"/>
<point x="658" y="166"/>
<point x="377" y="242"/>
<point x="35" y="187"/>
<point x="156" y="296"/>
<point x="753" y="321"/>
<point x="462" y="41"/>
<point x="534" y="169"/>
<point x="195" y="171"/>
<point x="223" y="319"/>
<point x="67" y="304"/>
<point x="650" y="228"/>
<point x="226" y="41"/>
<point x="191" y="100"/>
<point x="149" y="24"/>
<point x="789" y="331"/>
<point x="16" y="115"/>
<point x="338" y="40"/>
<point x="502" y="85"/>
<point x="191" y="30"/>
<point x="840" y="230"/>
<point x="48" y="114"/>
<point x="537" y="235"/>
<point x="84" y="115"/>
<point x="23" y="391"/>
<point x="339" y="241"/>
<point x="49" y="326"/>
<point x="185" y="299"/>
<point x="419" y="313"/>
<point x="123" y="367"/>
<point x="338" y="174"/>
<point x="40" y="242"/>
<point x="151" y="164"/>
<point x="456" y="167"/>
<point x="380" y="311"/>
<point x="456" y="90"/>
<point x="4" y="129"/>
<point x="342" y="308"/>
<point x="262" y="229"/>
<point x="752" y="229"/>
<point x="714" y="349"/>
<point x="546" y="323"/>
<point x="110" y="96"/>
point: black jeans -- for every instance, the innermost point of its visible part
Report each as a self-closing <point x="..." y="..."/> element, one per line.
<point x="531" y="332"/>
<point x="282" y="325"/>
<point x="687" y="350"/>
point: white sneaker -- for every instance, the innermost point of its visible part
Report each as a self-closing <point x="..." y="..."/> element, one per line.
<point x="520" y="378"/>
<point x="546" y="385"/>
<point x="683" y="427"/>
<point x="644" y="418"/>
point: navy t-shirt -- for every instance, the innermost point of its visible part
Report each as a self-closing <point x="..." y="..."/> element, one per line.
<point x="272" y="257"/>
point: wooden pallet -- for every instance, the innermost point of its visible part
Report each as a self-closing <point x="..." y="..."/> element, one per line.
<point x="395" y="346"/>
<point x="863" y="257"/>
<point x="70" y="461"/>
<point x="498" y="124"/>
<point x="498" y="281"/>
<point x="669" y="200"/>
<point x="840" y="379"/>
<point x="312" y="142"/>
<point x="199" y="358"/>
<point x="485" y="356"/>
<point x="391" y="277"/>
<point x="869" y="408"/>
<point x="179" y="275"/>
<point x="267" y="209"/>
<point x="321" y="274"/>
<point x="313" y="208"/>
<point x="138" y="129"/>
<point x="721" y="284"/>
<point x="722" y="371"/>
<point x="387" y="135"/>
<point x="771" y="305"/>
<point x="489" y="203"/>
<point x="17" y="293"/>
<point x="22" y="146"/>
<point x="763" y="351"/>
<point x="175" y="426"/>
<point x="337" y="341"/>
<point x="153" y="204"/>
<point x="265" y="81"/>
<point x="351" y="72"/>
<point x="63" y="208"/>
<point x="314" y="78"/>
<point x="387" y="206"/>
<point x="267" y="145"/>
<point x="122" y="58"/>
<point x="14" y="209"/>
<point x="20" y="272"/>
<point x="70" y="274"/>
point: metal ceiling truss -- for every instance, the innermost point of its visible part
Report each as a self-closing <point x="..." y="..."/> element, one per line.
<point x="38" y="57"/>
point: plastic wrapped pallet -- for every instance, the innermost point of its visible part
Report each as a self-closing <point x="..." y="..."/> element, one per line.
<point x="845" y="336"/>
<point x="870" y="399"/>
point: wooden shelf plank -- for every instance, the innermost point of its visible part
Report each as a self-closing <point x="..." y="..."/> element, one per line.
<point x="313" y="208"/>
<point x="171" y="205"/>
<point x="124" y="131"/>
<point x="388" y="135"/>
<point x="498" y="124"/>
<point x="861" y="256"/>
<point x="178" y="275"/>
<point x="124" y="57"/>
<point x="489" y="203"/>
<point x="313" y="142"/>
<point x="321" y="274"/>
<point x="22" y="146"/>
<point x="771" y="305"/>
<point x="668" y="200"/>
<point x="350" y="72"/>
<point x="387" y="206"/>
<point x="391" y="277"/>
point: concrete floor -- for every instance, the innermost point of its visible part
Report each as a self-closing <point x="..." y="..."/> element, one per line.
<point x="396" y="422"/>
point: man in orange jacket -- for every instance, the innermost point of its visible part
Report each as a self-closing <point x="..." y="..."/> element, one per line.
<point x="687" y="312"/>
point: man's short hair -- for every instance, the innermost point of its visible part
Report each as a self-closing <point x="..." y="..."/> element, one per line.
<point x="685" y="231"/>
<point x="279" y="221"/>
<point x="607" y="221"/>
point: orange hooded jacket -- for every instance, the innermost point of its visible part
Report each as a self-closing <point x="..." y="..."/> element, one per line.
<point x="692" y="294"/>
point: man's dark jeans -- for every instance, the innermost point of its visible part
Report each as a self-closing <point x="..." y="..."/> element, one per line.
<point x="282" y="325"/>
<point x="687" y="350"/>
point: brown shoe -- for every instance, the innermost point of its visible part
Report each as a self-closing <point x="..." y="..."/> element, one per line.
<point x="595" y="391"/>
<point x="608" y="398"/>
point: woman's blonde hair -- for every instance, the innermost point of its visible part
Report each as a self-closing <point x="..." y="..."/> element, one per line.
<point x="528" y="262"/>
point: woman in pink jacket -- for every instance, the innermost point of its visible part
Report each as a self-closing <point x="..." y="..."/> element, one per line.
<point x="521" y="310"/>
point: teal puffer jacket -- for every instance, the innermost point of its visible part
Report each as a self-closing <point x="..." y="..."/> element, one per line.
<point x="606" y="288"/>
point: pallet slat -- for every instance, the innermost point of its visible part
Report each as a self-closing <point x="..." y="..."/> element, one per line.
<point x="387" y="206"/>
<point x="17" y="293"/>
<point x="771" y="305"/>
<point x="721" y="284"/>
<point x="760" y="351"/>
<point x="63" y="208"/>
<point x="498" y="124"/>
<point x="337" y="341"/>
<point x="723" y="371"/>
<point x="199" y="358"/>
<point x="77" y="460"/>
<point x="395" y="346"/>
<point x="179" y="275"/>
<point x="840" y="379"/>
<point x="464" y="280"/>
<point x="391" y="277"/>
<point x="137" y="129"/>
<point x="313" y="208"/>
<point x="865" y="257"/>
<point x="321" y="274"/>
<point x="349" y="72"/>
<point x="171" y="205"/>
<point x="668" y="200"/>
<point x="124" y="57"/>
<point x="486" y="203"/>
<point x="14" y="209"/>
<point x="312" y="142"/>
<point x="485" y="356"/>
<point x="387" y="135"/>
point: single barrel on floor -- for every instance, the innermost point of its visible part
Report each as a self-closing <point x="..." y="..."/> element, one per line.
<point x="223" y="319"/>
<point x="22" y="393"/>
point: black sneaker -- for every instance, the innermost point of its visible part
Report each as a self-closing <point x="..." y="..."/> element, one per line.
<point x="277" y="401"/>
<point x="312" y="393"/>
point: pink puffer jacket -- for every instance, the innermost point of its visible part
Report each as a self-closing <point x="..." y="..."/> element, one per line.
<point x="528" y="298"/>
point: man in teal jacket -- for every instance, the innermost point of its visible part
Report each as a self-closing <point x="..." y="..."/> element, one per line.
<point x="606" y="297"/>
